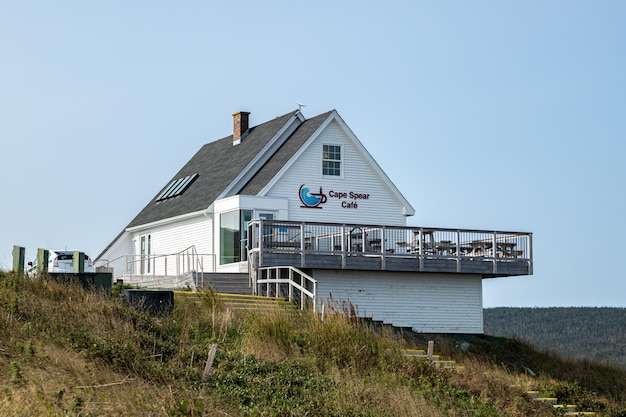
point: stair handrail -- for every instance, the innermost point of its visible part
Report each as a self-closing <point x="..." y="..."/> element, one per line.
<point x="105" y="263"/>
<point x="298" y="286"/>
<point x="195" y="258"/>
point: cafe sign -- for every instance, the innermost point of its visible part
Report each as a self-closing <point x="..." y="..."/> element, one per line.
<point x="348" y="199"/>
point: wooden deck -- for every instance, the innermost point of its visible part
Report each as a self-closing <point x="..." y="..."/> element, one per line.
<point x="389" y="248"/>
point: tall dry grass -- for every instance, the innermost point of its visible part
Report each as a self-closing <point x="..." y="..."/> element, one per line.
<point x="66" y="351"/>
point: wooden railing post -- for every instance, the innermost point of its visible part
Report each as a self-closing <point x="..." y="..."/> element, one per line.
<point x="530" y="253"/>
<point x="302" y="287"/>
<point x="458" y="251"/>
<point x="494" y="252"/>
<point x="382" y="248"/>
<point x="344" y="238"/>
<point x="302" y="246"/>
<point x="290" y="288"/>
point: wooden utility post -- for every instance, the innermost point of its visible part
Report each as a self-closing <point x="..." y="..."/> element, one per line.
<point x="42" y="260"/>
<point x="209" y="362"/>
<point x="431" y="348"/>
<point x="18" y="259"/>
<point x="78" y="262"/>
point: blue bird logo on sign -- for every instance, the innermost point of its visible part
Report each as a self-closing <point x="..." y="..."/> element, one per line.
<point x="311" y="200"/>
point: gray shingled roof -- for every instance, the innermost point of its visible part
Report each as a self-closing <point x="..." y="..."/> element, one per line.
<point x="283" y="155"/>
<point x="217" y="164"/>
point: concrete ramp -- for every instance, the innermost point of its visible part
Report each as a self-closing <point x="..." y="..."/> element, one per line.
<point x="231" y="283"/>
<point x="177" y="282"/>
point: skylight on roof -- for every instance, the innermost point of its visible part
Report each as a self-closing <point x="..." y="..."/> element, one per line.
<point x="177" y="187"/>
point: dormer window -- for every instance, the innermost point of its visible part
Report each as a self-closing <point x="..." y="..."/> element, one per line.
<point x="331" y="160"/>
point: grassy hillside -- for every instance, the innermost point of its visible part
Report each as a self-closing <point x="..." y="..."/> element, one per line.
<point x="574" y="332"/>
<point x="66" y="351"/>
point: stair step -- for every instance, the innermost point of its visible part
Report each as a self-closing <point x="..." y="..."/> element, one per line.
<point x="447" y="363"/>
<point x="242" y="302"/>
<point x="417" y="353"/>
<point x="566" y="409"/>
<point x="436" y="359"/>
<point x="433" y="358"/>
<point x="232" y="283"/>
<point x="413" y="352"/>
<point x="533" y="394"/>
<point x="547" y="400"/>
<point x="569" y="408"/>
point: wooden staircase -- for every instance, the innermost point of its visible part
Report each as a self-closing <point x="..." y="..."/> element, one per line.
<point x="254" y="303"/>
<point x="261" y="304"/>
<point x="436" y="359"/>
<point x="243" y="303"/>
<point x="230" y="283"/>
<point x="566" y="409"/>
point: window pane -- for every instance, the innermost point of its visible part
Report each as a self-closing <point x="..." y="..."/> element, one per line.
<point x="229" y="237"/>
<point x="331" y="161"/>
<point x="246" y="216"/>
<point x="331" y="168"/>
<point x="233" y="236"/>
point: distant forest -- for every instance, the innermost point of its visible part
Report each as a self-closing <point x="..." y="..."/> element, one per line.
<point x="597" y="333"/>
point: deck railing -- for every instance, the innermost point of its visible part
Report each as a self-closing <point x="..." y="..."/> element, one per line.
<point x="387" y="242"/>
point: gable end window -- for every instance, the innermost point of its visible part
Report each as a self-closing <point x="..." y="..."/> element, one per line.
<point x="331" y="160"/>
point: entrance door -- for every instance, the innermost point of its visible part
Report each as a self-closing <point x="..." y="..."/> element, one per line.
<point x="144" y="251"/>
<point x="266" y="232"/>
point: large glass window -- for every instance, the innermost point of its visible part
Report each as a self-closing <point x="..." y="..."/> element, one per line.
<point x="233" y="236"/>
<point x="331" y="160"/>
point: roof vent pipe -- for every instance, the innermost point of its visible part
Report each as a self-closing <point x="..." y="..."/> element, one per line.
<point x="240" y="126"/>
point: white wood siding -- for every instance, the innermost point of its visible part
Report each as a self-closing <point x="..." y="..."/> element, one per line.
<point x="115" y="257"/>
<point x="172" y="238"/>
<point x="427" y="303"/>
<point x="381" y="207"/>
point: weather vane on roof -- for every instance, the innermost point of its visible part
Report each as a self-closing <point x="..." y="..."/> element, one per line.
<point x="300" y="106"/>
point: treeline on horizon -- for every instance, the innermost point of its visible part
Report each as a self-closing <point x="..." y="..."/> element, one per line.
<point x="596" y="333"/>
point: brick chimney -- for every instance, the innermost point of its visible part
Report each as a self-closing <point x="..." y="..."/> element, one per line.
<point x="240" y="126"/>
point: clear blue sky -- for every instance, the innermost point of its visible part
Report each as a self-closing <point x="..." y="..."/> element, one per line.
<point x="488" y="115"/>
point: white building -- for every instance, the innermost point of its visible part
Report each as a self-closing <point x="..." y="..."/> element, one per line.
<point x="318" y="203"/>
